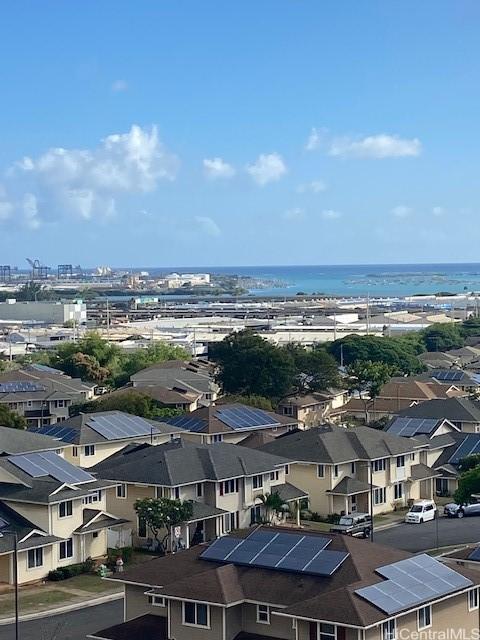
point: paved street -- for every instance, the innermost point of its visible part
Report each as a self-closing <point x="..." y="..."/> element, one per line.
<point x="69" y="626"/>
<point x="419" y="537"/>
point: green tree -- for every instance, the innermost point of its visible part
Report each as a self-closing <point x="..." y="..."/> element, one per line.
<point x="140" y="359"/>
<point x="469" y="462"/>
<point x="131" y="401"/>
<point x="442" y="337"/>
<point x="11" y="419"/>
<point x="274" y="506"/>
<point x="260" y="402"/>
<point x="161" y="515"/>
<point x="34" y="291"/>
<point x="398" y="353"/>
<point x="366" y="378"/>
<point x="471" y="327"/>
<point x="468" y="485"/>
<point x="316" y="369"/>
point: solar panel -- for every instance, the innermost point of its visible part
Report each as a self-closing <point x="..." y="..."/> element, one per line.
<point x="447" y="375"/>
<point x="48" y="463"/>
<point x="408" y="427"/>
<point x="245" y="417"/>
<point x="475" y="555"/>
<point x="120" y="425"/>
<point x="411" y="582"/>
<point x="295" y="552"/>
<point x="187" y="422"/>
<point x="58" y="430"/>
<point x="20" y="387"/>
<point x="470" y="445"/>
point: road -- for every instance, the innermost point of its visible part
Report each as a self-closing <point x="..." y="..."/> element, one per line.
<point x="419" y="537"/>
<point x="74" y="625"/>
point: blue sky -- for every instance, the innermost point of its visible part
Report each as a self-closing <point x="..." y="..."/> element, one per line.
<point x="239" y="133"/>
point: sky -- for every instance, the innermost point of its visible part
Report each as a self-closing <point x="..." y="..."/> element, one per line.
<point x="220" y="133"/>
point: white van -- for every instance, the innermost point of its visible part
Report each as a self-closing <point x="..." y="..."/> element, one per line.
<point x="421" y="511"/>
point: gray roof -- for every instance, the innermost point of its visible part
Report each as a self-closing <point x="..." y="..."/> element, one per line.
<point x="176" y="375"/>
<point x="103" y="521"/>
<point x="453" y="409"/>
<point x="179" y="462"/>
<point x="201" y="511"/>
<point x="56" y="386"/>
<point x="15" y="441"/>
<point x="422" y="472"/>
<point x="349" y="486"/>
<point x="448" y="457"/>
<point x="332" y="445"/>
<point x="289" y="492"/>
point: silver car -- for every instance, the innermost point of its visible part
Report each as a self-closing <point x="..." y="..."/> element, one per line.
<point x="453" y="510"/>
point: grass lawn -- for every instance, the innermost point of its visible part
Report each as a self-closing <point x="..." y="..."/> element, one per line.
<point x="42" y="599"/>
<point x="90" y="583"/>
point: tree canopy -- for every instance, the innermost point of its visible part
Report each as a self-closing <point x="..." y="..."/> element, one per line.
<point x="132" y="401"/>
<point x="11" y="419"/>
<point x="442" y="337"/>
<point x="468" y="485"/>
<point x="366" y="378"/>
<point x="161" y="515"/>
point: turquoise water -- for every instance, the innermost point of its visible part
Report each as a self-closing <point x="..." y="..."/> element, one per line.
<point x="355" y="280"/>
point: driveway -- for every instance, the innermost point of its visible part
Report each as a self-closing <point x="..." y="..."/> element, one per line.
<point x="419" y="537"/>
<point x="74" y="625"/>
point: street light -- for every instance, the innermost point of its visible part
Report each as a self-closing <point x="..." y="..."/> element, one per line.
<point x="15" y="573"/>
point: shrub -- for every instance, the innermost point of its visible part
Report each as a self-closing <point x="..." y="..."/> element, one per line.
<point x="123" y="552"/>
<point x="71" y="570"/>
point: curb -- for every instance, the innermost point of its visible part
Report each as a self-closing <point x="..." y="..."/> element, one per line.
<point x="83" y="604"/>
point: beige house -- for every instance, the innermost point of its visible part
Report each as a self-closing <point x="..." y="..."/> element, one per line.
<point x="223" y="481"/>
<point x="56" y="510"/>
<point x="342" y="470"/>
<point x="89" y="438"/>
<point x="237" y="589"/>
<point x="315" y="408"/>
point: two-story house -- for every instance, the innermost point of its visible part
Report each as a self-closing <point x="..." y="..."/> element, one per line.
<point x="464" y="413"/>
<point x="92" y="437"/>
<point x="288" y="585"/>
<point x="223" y="481"/>
<point x="342" y="468"/>
<point x="314" y="408"/>
<point x="57" y="511"/>
<point x="230" y="423"/>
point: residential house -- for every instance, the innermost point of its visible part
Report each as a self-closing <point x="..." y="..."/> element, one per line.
<point x="18" y="441"/>
<point x="288" y="585"/>
<point x="465" y="356"/>
<point x="184" y="401"/>
<point x="230" y="423"/>
<point x="438" y="360"/>
<point x="341" y="469"/>
<point x="223" y="481"/>
<point x="463" y="413"/>
<point x="92" y="437"/>
<point x="447" y="463"/>
<point x="57" y="511"/>
<point x="315" y="408"/>
<point x="466" y="381"/>
<point x="468" y="557"/>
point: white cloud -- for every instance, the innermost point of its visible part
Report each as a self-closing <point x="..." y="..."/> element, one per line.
<point x="296" y="213"/>
<point x="267" y="168"/>
<point x="438" y="211"/>
<point x="314" y="139"/>
<point x="315" y="186"/>
<point x="208" y="226"/>
<point x="331" y="214"/>
<point x="119" y="85"/>
<point x="217" y="168"/>
<point x="85" y="183"/>
<point x="401" y="211"/>
<point x="378" y="146"/>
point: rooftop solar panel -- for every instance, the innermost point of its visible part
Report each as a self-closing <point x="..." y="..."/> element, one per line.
<point x="470" y="445"/>
<point x="21" y="387"/>
<point x="447" y="375"/>
<point x="58" y="430"/>
<point x="475" y="555"/>
<point x="408" y="427"/>
<point x="120" y="425"/>
<point x="245" y="418"/>
<point x="411" y="582"/>
<point x="187" y="422"/>
<point x="48" y="463"/>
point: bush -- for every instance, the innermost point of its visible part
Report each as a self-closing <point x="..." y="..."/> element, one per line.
<point x="71" y="570"/>
<point x="125" y="553"/>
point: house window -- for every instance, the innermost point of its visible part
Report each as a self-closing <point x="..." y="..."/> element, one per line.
<point x="229" y="486"/>
<point x="379" y="495"/>
<point x="65" y="509"/>
<point x="35" y="558"/>
<point x="142" y="528"/>
<point x="75" y="452"/>
<point x="288" y="411"/>
<point x="335" y="471"/>
<point x="199" y="489"/>
<point x="352" y="468"/>
<point x="196" y="614"/>
<point x="263" y="614"/>
<point x="327" y="631"/>
<point x="379" y="465"/>
<point x="389" y="630"/>
<point x="274" y="475"/>
<point x="320" y="471"/>
<point x="400" y="461"/>
<point x="424" y="617"/>
<point x="121" y="491"/>
<point x="412" y="457"/>
<point x="156" y="601"/>
<point x="217" y="437"/>
<point x="257" y="482"/>
<point x="95" y="534"/>
<point x="286" y="469"/>
<point x="398" y="491"/>
<point x="177" y="493"/>
<point x="473" y="599"/>
<point x="89" y="450"/>
<point x="66" y="549"/>
<point x="96" y="496"/>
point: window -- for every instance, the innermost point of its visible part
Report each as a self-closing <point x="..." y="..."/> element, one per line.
<point x="75" y="452"/>
<point x="142" y="528"/>
<point x="335" y="471"/>
<point x="89" y="450"/>
<point x="95" y="534"/>
<point x="121" y="491"/>
<point x="66" y="549"/>
<point x="156" y="601"/>
<point x="263" y="614"/>
<point x="228" y="486"/>
<point x="352" y="468"/>
<point x="400" y="461"/>
<point x="327" y="631"/>
<point x="379" y="465"/>
<point x="196" y="614"/>
<point x="274" y="475"/>
<point x="199" y="489"/>
<point x="473" y="599"/>
<point x="412" y="457"/>
<point x="257" y="482"/>
<point x="379" y="495"/>
<point x="217" y="437"/>
<point x="389" y="630"/>
<point x="35" y="558"/>
<point x="65" y="509"/>
<point x="288" y="411"/>
<point x="176" y="493"/>
<point x="398" y="491"/>
<point x="424" y="617"/>
<point x="320" y="471"/>
<point x="96" y="496"/>
<point x="286" y="469"/>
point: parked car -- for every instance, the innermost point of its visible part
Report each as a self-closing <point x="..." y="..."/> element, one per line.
<point x="453" y="510"/>
<point x="421" y="511"/>
<point x="354" y="524"/>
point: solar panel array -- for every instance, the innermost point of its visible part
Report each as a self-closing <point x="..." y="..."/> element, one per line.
<point x="245" y="417"/>
<point x="57" y="430"/>
<point x="45" y="368"/>
<point x="469" y="446"/>
<point x="20" y="387"/>
<point x="411" y="582"/>
<point x="48" y="463"/>
<point x="121" y="425"/>
<point x="188" y="422"/>
<point x="475" y="555"/>
<point x="408" y="427"/>
<point x="278" y="551"/>
<point x="447" y="375"/>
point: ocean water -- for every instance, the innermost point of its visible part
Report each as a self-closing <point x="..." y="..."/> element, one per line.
<point x="353" y="280"/>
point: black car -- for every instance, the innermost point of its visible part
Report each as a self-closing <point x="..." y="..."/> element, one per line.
<point x="354" y="524"/>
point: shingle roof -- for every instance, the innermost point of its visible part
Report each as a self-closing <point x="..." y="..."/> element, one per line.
<point x="349" y="486"/>
<point x="147" y="627"/>
<point x="453" y="409"/>
<point x="422" y="472"/>
<point x="332" y="445"/>
<point x="180" y="462"/>
<point x="289" y="492"/>
<point x="15" y="441"/>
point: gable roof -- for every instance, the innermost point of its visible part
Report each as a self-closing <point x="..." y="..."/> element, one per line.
<point x="453" y="409"/>
<point x="332" y="445"/>
<point x="463" y="445"/>
<point x="15" y="441"/>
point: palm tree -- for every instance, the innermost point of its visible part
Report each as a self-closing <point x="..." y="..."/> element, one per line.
<point x="274" y="506"/>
